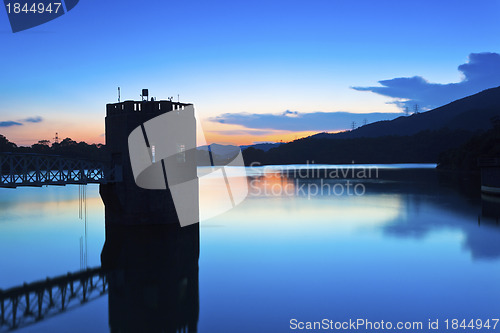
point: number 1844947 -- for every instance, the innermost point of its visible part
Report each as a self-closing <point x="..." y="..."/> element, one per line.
<point x="34" y="8"/>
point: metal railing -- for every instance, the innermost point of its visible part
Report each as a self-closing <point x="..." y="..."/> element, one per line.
<point x="38" y="170"/>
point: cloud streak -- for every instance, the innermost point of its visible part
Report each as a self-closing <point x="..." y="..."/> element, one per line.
<point x="9" y="123"/>
<point x="36" y="119"/>
<point x="301" y="121"/>
<point x="482" y="71"/>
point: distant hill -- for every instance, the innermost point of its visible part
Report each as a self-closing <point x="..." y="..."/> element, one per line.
<point x="263" y="146"/>
<point x="471" y="113"/>
<point x="221" y="150"/>
<point x="423" y="147"/>
<point x="221" y="154"/>
<point x="418" y="138"/>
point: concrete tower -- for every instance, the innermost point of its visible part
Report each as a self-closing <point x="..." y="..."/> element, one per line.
<point x="125" y="202"/>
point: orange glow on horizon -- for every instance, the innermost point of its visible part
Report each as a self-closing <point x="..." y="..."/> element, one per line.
<point x="94" y="133"/>
<point x="239" y="140"/>
<point x="240" y="135"/>
<point x="32" y="133"/>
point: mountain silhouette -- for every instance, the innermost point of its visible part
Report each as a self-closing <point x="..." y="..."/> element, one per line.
<point x="471" y="113"/>
<point x="263" y="146"/>
<point x="418" y="138"/>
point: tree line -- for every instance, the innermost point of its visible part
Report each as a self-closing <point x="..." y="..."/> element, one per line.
<point x="66" y="147"/>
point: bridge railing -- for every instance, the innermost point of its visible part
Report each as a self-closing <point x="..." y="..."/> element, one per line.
<point x="38" y="170"/>
<point x="24" y="305"/>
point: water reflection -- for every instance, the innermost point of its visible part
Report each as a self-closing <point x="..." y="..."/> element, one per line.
<point x="153" y="278"/>
<point x="29" y="304"/>
<point x="405" y="203"/>
<point x="417" y="244"/>
<point x="149" y="272"/>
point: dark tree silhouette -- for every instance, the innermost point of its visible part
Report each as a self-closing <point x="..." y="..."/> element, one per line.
<point x="66" y="147"/>
<point x="6" y="145"/>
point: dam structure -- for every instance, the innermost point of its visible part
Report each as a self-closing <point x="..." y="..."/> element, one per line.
<point x="125" y="202"/>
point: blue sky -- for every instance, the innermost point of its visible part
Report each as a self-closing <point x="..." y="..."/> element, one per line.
<point x="232" y="57"/>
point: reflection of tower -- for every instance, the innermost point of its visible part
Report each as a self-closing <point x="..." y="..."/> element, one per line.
<point x="125" y="202"/>
<point x="153" y="278"/>
<point x="152" y="261"/>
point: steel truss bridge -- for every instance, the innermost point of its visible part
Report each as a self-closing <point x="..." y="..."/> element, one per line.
<point x="30" y="303"/>
<point x="18" y="169"/>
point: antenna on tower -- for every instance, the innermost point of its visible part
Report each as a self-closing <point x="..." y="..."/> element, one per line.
<point x="56" y="138"/>
<point x="118" y="94"/>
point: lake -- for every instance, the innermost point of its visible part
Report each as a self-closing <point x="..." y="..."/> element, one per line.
<point x="404" y="245"/>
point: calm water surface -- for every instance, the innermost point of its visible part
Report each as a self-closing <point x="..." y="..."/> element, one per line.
<point x="414" y="245"/>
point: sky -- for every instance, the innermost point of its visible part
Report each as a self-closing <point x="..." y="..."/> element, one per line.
<point x="256" y="71"/>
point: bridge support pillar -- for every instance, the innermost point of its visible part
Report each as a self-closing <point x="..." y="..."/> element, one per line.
<point x="40" y="303"/>
<point x="27" y="311"/>
<point x="14" y="302"/>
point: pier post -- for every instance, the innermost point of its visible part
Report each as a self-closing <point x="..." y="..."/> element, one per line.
<point x="40" y="295"/>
